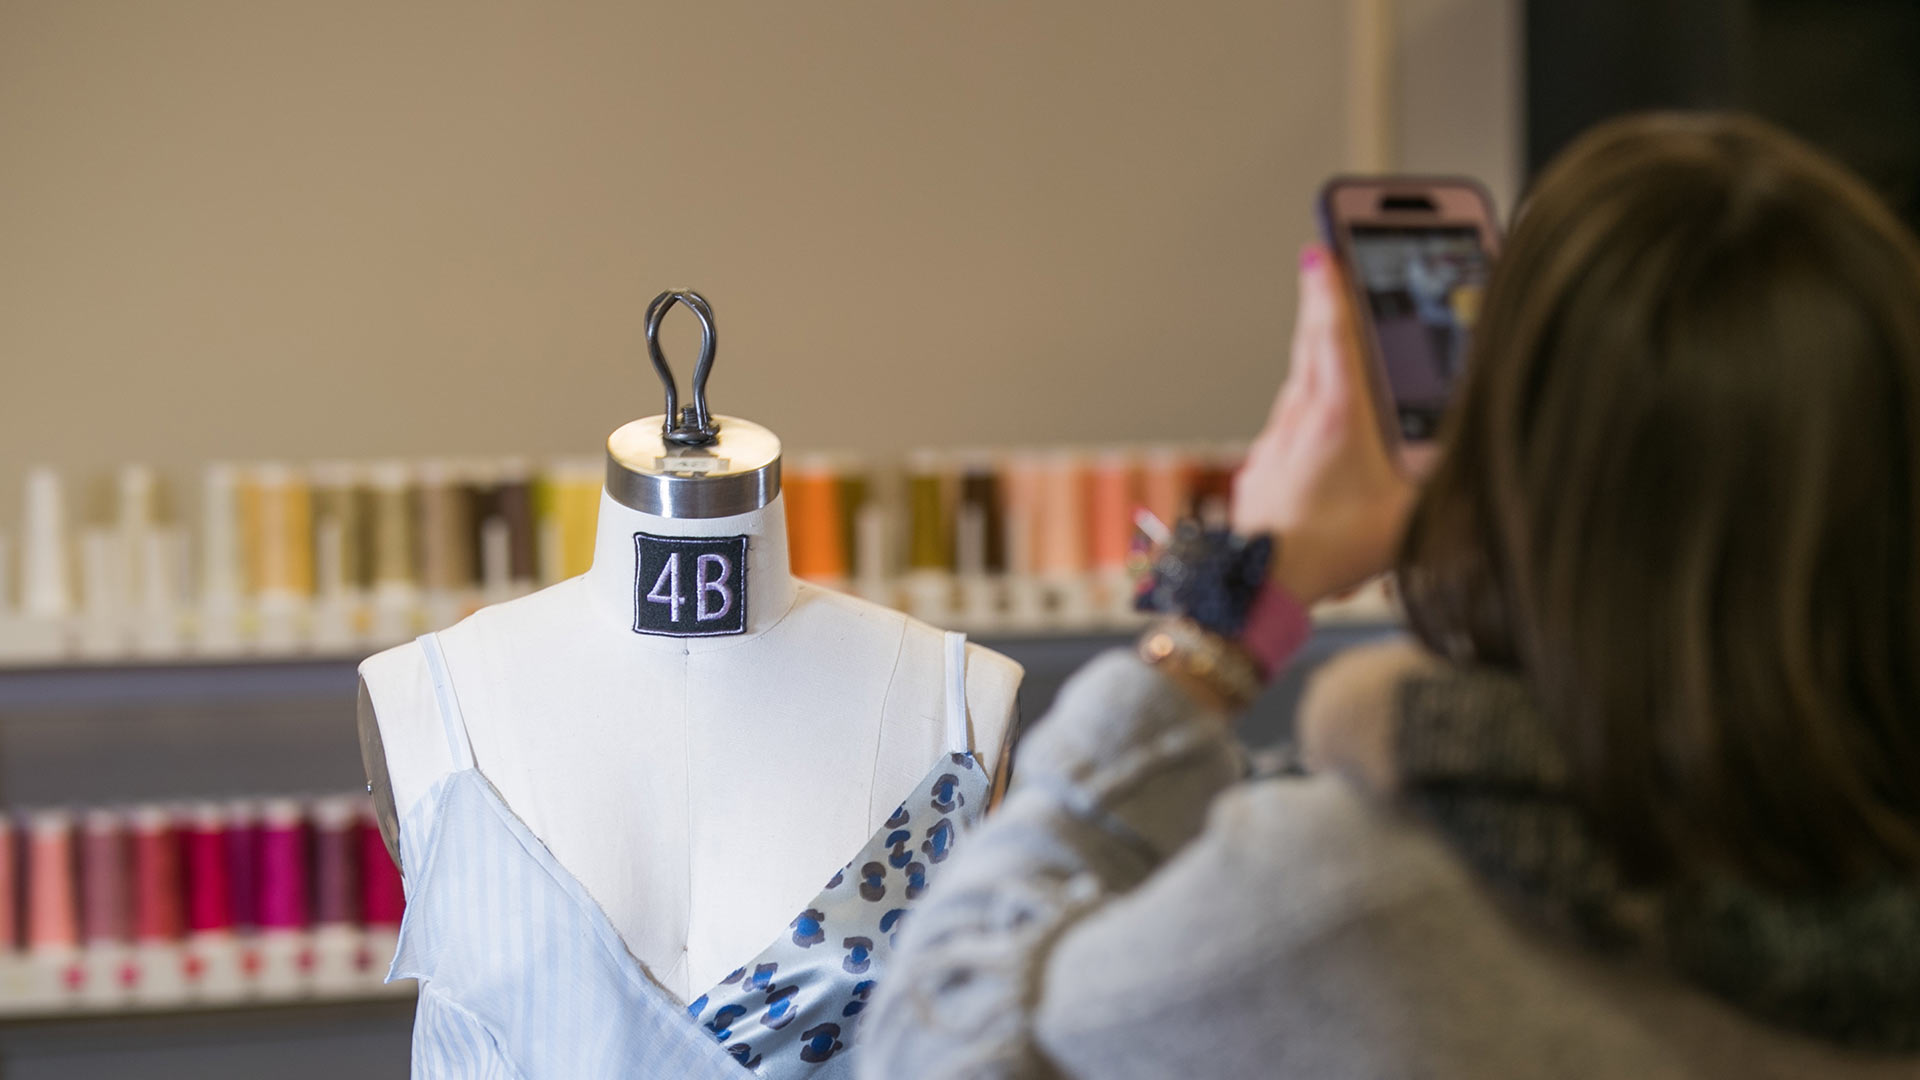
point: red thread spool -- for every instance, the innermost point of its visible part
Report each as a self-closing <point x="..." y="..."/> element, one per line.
<point x="382" y="895"/>
<point x="336" y="861"/>
<point x="283" y="867"/>
<point x="52" y="916"/>
<point x="158" y="906"/>
<point x="209" y="889"/>
<point x="9" y="909"/>
<point x="104" y="893"/>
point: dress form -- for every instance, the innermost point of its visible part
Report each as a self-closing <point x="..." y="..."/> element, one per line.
<point x="701" y="789"/>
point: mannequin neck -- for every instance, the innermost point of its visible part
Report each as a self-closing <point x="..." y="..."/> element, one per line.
<point x="612" y="580"/>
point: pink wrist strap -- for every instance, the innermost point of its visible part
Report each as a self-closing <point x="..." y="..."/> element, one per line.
<point x="1277" y="625"/>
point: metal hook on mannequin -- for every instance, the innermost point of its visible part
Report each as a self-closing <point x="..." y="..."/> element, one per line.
<point x="693" y="425"/>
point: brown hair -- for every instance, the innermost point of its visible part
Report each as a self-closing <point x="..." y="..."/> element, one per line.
<point x="1680" y="494"/>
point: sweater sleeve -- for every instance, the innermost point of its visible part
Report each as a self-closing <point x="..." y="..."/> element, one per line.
<point x="1115" y="780"/>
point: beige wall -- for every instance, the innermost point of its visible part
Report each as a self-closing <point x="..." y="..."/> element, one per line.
<point x="274" y="229"/>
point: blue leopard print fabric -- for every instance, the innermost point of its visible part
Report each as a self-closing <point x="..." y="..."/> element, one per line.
<point x="793" y="1010"/>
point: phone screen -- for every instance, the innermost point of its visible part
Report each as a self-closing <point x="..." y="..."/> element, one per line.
<point x="1423" y="288"/>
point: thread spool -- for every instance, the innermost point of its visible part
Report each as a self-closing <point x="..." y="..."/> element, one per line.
<point x="856" y="489"/>
<point x="46" y="584"/>
<point x="447" y="534"/>
<point x="816" y="534"/>
<point x="104" y="889"/>
<point x="382" y="895"/>
<point x="213" y="967"/>
<point x="1061" y="555"/>
<point x="285" y="949"/>
<point x="1021" y="493"/>
<point x="277" y="514"/>
<point x="574" y="512"/>
<point x="1112" y="496"/>
<point x="222" y="563"/>
<point x="1061" y="535"/>
<point x="209" y="886"/>
<point x="243" y="876"/>
<point x="1213" y="485"/>
<point x="53" y="922"/>
<point x="105" y="903"/>
<point x="448" y="542"/>
<point x="147" y="599"/>
<point x="341" y="560"/>
<point x="509" y="562"/>
<point x="929" y="583"/>
<point x="1166" y="483"/>
<point x="159" y="915"/>
<point x="283" y="867"/>
<point x="929" y="539"/>
<point x="979" y="541"/>
<point x="106" y="584"/>
<point x="337" y="941"/>
<point x="392" y="570"/>
<point x="277" y="509"/>
<point x="160" y="567"/>
<point x="9" y="884"/>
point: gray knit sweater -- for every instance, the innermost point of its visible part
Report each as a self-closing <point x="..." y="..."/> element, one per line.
<point x="1136" y="909"/>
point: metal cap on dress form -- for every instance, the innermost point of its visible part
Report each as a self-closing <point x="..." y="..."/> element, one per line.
<point x="687" y="462"/>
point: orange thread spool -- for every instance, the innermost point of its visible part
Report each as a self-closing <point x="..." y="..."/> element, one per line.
<point x="816" y="535"/>
<point x="1113" y="492"/>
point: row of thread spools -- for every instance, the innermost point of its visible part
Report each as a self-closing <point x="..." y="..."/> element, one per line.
<point x="342" y="557"/>
<point x="164" y="905"/>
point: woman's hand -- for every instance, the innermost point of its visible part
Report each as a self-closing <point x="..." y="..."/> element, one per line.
<point x="1318" y="476"/>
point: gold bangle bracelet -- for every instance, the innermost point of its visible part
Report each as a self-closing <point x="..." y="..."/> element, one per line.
<point x="1215" y="670"/>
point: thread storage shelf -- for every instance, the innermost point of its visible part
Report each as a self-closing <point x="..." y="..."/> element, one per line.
<point x="49" y="1013"/>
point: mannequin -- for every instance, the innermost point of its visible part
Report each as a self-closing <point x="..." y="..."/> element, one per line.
<point x="700" y="788"/>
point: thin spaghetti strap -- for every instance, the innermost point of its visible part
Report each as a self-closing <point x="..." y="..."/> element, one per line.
<point x="451" y="721"/>
<point x="957" y="740"/>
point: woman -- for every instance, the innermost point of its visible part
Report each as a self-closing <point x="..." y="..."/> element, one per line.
<point x="1646" y="803"/>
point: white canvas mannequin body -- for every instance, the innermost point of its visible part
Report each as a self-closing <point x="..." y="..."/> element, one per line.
<point x="701" y="789"/>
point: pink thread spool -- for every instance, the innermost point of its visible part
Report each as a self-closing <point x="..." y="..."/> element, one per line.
<point x="106" y="903"/>
<point x="383" y="898"/>
<point x="106" y="898"/>
<point x="53" y="921"/>
<point x="214" y="965"/>
<point x="1063" y="553"/>
<point x="286" y="949"/>
<point x="283" y="867"/>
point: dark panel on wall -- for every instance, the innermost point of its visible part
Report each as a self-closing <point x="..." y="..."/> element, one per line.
<point x="1840" y="73"/>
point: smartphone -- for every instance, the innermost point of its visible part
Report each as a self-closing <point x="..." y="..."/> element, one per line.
<point x="1415" y="253"/>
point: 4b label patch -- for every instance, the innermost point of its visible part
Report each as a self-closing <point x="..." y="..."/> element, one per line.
<point x="689" y="586"/>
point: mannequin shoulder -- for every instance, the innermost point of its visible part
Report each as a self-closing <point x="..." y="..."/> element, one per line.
<point x="398" y="702"/>
<point x="993" y="680"/>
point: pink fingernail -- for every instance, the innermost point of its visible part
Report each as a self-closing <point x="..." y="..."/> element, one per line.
<point x="1311" y="257"/>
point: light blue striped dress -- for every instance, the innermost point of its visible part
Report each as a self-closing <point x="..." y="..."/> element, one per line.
<point x="522" y="976"/>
